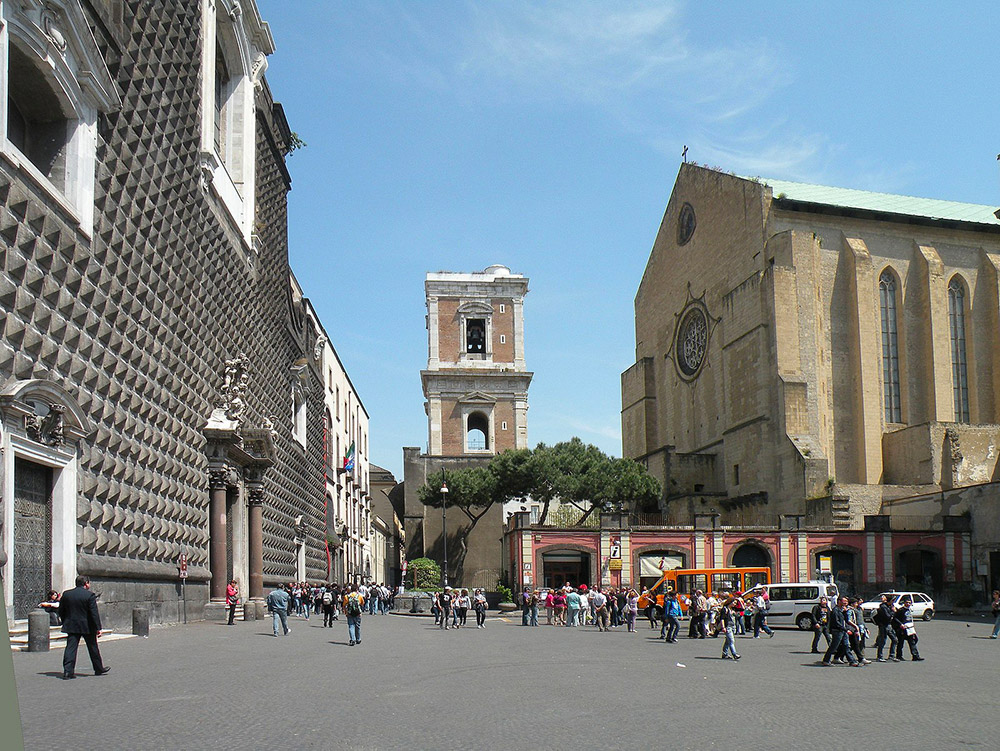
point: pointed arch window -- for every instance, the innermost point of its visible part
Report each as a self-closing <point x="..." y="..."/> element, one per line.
<point x="890" y="346"/>
<point x="959" y="368"/>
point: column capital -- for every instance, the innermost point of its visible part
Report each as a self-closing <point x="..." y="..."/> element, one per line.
<point x="218" y="476"/>
<point x="255" y="494"/>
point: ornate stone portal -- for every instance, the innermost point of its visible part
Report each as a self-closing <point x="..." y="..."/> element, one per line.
<point x="238" y="457"/>
<point x="41" y="428"/>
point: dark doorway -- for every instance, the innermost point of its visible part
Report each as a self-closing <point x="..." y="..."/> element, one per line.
<point x="920" y="570"/>
<point x="751" y="556"/>
<point x="842" y="568"/>
<point x="564" y="566"/>
<point x="994" y="570"/>
<point x="32" y="535"/>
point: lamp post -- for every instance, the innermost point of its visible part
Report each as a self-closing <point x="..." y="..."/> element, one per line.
<point x="444" y="527"/>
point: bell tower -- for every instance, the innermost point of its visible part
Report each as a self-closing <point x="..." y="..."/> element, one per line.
<point x="476" y="382"/>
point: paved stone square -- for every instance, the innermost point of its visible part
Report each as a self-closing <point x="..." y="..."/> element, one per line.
<point x="410" y="685"/>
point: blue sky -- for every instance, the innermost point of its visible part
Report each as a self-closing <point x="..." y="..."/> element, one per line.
<point x="546" y="137"/>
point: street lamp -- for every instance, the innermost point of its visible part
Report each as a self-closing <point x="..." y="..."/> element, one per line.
<point x="444" y="527"/>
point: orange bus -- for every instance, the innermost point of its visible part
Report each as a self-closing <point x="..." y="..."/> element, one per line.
<point x="685" y="581"/>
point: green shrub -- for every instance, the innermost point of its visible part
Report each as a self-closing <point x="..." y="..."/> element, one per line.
<point x="423" y="573"/>
<point x="505" y="594"/>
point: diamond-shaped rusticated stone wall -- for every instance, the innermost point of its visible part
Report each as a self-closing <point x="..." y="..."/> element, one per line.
<point x="285" y="335"/>
<point x="138" y="320"/>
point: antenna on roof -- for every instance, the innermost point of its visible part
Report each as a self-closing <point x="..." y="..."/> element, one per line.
<point x="684" y="154"/>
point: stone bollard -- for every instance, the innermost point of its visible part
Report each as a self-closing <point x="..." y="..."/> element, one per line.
<point x="38" y="631"/>
<point x="249" y="611"/>
<point x="140" y="621"/>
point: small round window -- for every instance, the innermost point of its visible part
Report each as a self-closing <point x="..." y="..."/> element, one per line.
<point x="692" y="342"/>
<point x="685" y="224"/>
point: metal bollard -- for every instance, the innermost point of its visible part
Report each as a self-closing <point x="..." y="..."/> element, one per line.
<point x="140" y="621"/>
<point x="38" y="631"/>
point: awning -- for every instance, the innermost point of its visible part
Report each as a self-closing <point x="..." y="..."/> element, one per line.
<point x="655" y="565"/>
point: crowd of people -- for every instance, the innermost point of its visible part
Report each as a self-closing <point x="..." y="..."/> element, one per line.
<point x="726" y="614"/>
<point x="451" y="607"/>
<point x="843" y="626"/>
<point x="300" y="599"/>
<point x="326" y="599"/>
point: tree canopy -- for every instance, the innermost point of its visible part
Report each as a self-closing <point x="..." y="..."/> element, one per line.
<point x="571" y="472"/>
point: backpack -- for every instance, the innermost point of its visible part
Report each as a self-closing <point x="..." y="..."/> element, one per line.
<point x="327" y="598"/>
<point x="353" y="605"/>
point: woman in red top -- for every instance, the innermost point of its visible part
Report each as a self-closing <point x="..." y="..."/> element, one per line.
<point x="550" y="606"/>
<point x="559" y="605"/>
<point x="232" y="600"/>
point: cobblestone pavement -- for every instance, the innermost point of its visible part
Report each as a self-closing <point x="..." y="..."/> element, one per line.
<point x="410" y="685"/>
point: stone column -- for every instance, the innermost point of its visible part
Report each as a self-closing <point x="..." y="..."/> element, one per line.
<point x="255" y="492"/>
<point x="218" y="479"/>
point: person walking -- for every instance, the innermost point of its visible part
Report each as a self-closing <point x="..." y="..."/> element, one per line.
<point x="479" y="605"/>
<point x="445" y="600"/>
<point x="671" y="617"/>
<point x="462" y="604"/>
<point x="882" y="618"/>
<point x="526" y="607"/>
<point x="995" y="609"/>
<point x="761" y="605"/>
<point x="80" y="619"/>
<point x="905" y="630"/>
<point x="727" y="624"/>
<point x="277" y="605"/>
<point x="820" y="615"/>
<point x="354" y="605"/>
<point x="572" y="607"/>
<point x="581" y="617"/>
<point x="232" y="600"/>
<point x="839" y="634"/>
<point x="328" y="608"/>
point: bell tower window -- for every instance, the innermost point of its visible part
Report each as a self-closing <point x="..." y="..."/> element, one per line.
<point x="475" y="336"/>
<point x="477" y="432"/>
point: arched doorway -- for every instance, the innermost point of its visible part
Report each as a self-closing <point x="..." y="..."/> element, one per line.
<point x="562" y="566"/>
<point x="841" y="566"/>
<point x="919" y="569"/>
<point x="652" y="564"/>
<point x="750" y="555"/>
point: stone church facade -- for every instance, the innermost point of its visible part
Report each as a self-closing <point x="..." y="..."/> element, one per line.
<point x="476" y="387"/>
<point x="162" y="391"/>
<point x="819" y="352"/>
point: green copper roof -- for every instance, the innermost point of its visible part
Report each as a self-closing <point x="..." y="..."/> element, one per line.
<point x="930" y="208"/>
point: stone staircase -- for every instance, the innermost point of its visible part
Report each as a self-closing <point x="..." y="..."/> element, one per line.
<point x="841" y="510"/>
<point x="19" y="635"/>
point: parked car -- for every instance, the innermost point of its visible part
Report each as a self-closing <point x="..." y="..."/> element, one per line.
<point x="922" y="607"/>
<point x="792" y="602"/>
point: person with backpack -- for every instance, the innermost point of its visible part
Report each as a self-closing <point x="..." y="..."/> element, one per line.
<point x="883" y="619"/>
<point x="671" y="617"/>
<point x="354" y="604"/>
<point x="326" y="600"/>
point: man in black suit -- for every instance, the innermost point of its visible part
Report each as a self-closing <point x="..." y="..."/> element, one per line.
<point x="78" y="612"/>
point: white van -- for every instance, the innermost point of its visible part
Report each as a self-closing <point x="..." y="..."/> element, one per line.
<point x="792" y="602"/>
